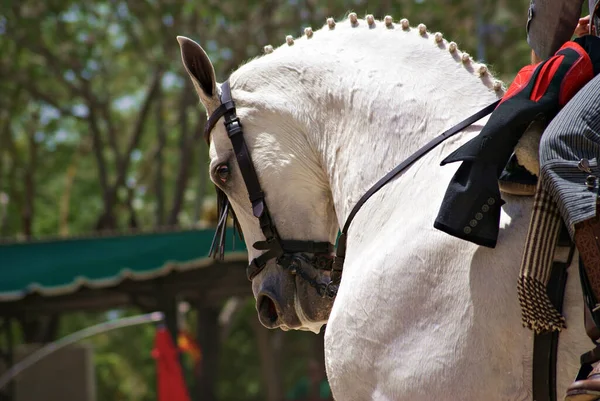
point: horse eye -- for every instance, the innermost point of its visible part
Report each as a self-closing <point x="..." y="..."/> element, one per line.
<point x="223" y="172"/>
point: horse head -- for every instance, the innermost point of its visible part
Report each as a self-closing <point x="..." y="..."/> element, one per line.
<point x="290" y="175"/>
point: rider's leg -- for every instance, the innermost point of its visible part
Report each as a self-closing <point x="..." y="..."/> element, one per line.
<point x="569" y="167"/>
<point x="570" y="172"/>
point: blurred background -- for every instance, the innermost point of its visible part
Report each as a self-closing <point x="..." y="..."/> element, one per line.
<point x="106" y="209"/>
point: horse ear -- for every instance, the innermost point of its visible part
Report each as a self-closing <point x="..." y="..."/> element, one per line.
<point x="200" y="69"/>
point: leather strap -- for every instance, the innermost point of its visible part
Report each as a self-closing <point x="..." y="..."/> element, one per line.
<point x="236" y="136"/>
<point x="545" y="346"/>
<point x="294" y="246"/>
<point x="212" y="120"/>
<point x="593" y="356"/>
<point x="341" y="250"/>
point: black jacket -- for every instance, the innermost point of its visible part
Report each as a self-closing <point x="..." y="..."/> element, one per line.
<point x="472" y="203"/>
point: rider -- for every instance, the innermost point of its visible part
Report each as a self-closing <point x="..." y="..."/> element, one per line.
<point x="569" y="148"/>
<point x="472" y="203"/>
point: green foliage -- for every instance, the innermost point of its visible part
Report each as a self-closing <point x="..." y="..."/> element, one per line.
<point x="125" y="369"/>
<point x="240" y="359"/>
<point x="240" y="367"/>
<point x="87" y="138"/>
<point x="99" y="130"/>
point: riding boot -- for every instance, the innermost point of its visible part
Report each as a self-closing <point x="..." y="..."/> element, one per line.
<point x="471" y="206"/>
<point x="585" y="390"/>
<point x="587" y="241"/>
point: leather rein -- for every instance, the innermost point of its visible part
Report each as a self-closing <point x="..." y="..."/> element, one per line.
<point x="292" y="254"/>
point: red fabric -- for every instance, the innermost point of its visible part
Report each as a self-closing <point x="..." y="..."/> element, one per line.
<point x="520" y="82"/>
<point x="170" y="382"/>
<point x="578" y="75"/>
<point x="544" y="77"/>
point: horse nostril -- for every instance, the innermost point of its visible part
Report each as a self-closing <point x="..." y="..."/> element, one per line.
<point x="267" y="311"/>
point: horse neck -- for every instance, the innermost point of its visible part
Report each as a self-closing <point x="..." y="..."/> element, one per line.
<point x="383" y="113"/>
<point x="367" y="98"/>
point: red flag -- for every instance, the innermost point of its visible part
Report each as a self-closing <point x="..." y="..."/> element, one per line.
<point x="171" y="385"/>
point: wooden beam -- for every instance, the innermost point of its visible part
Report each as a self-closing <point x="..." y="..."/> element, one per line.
<point x="211" y="285"/>
<point x="205" y="378"/>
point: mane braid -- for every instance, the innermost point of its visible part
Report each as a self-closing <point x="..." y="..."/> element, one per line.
<point x="352" y="21"/>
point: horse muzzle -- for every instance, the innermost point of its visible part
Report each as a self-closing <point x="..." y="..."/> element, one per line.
<point x="291" y="279"/>
<point x="275" y="298"/>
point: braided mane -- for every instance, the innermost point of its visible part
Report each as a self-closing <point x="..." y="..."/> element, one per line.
<point x="352" y="22"/>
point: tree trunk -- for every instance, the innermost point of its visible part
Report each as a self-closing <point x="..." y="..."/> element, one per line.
<point x="202" y="181"/>
<point x="4" y="197"/>
<point x="133" y="221"/>
<point x="185" y="151"/>
<point x="159" y="162"/>
<point x="9" y="149"/>
<point x="27" y="212"/>
<point x="98" y="146"/>
<point x="108" y="220"/>
<point x="269" y="351"/>
<point x="205" y="378"/>
<point x="65" y="199"/>
<point x="14" y="196"/>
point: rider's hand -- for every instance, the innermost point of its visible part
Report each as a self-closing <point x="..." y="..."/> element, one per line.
<point x="583" y="27"/>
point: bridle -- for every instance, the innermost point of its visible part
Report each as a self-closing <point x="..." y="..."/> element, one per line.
<point x="290" y="254"/>
<point x="293" y="255"/>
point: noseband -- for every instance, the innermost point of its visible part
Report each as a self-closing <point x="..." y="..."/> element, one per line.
<point x="292" y="254"/>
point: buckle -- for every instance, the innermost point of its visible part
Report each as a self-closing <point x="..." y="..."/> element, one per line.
<point x="254" y="268"/>
<point x="233" y="126"/>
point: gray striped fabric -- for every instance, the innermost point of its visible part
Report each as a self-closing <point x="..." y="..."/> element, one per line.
<point x="572" y="135"/>
<point x="537" y="311"/>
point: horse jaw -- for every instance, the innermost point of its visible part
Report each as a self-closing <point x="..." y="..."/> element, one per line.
<point x="307" y="324"/>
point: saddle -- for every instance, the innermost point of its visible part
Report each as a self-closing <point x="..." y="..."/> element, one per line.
<point x="521" y="173"/>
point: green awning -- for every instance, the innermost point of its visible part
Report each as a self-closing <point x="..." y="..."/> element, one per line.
<point x="59" y="267"/>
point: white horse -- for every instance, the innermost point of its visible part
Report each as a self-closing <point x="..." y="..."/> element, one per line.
<point x="419" y="315"/>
